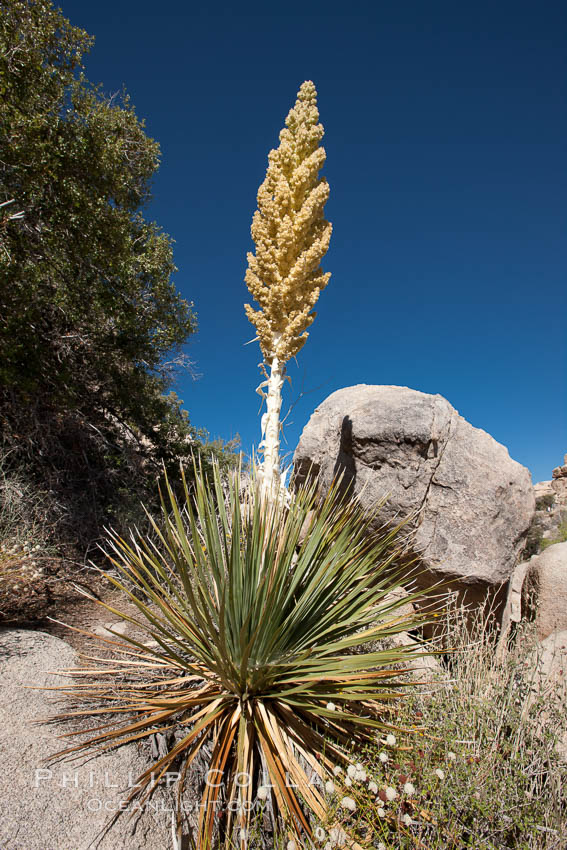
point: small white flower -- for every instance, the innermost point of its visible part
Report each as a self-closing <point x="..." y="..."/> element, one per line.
<point x="338" y="836"/>
<point x="320" y="833"/>
<point x="337" y="769"/>
<point x="372" y="787"/>
<point x="451" y="756"/>
<point x="348" y="781"/>
<point x="439" y="773"/>
<point x="381" y="812"/>
<point x="331" y="706"/>
<point x="409" y="789"/>
<point x="328" y="846"/>
<point x="329" y="787"/>
<point x="291" y="845"/>
<point x="351" y="770"/>
<point x="391" y="794"/>
<point x="407" y="820"/>
<point x="391" y="740"/>
<point x="360" y="776"/>
<point x="262" y="793"/>
<point x="380" y="846"/>
<point x="348" y="803"/>
<point x="383" y="757"/>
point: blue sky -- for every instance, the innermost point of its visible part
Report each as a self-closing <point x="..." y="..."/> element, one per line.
<point x="445" y="135"/>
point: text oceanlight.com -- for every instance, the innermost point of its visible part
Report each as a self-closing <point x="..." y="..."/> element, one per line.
<point x="105" y="780"/>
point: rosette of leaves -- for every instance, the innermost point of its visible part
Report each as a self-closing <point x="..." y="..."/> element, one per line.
<point x="260" y="619"/>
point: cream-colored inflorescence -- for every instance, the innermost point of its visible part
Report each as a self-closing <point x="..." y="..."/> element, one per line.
<point x="290" y="233"/>
<point x="284" y="276"/>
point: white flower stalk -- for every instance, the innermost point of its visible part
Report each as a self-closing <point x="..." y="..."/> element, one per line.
<point x="284" y="276"/>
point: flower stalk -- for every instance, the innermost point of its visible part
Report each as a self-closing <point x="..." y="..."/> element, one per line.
<point x="284" y="275"/>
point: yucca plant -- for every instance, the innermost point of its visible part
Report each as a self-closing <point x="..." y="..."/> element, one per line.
<point x="259" y="617"/>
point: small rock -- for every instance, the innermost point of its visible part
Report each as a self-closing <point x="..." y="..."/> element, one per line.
<point x="120" y="627"/>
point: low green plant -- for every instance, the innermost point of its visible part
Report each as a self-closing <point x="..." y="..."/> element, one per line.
<point x="253" y="609"/>
<point x="560" y="537"/>
<point x="482" y="769"/>
<point x="26" y="539"/>
<point x="544" y="502"/>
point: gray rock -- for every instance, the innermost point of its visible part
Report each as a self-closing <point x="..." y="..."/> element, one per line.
<point x="549" y="665"/>
<point x="405" y="611"/>
<point x="561" y="471"/>
<point x="470" y="504"/>
<point x="543" y="489"/>
<point x="419" y="665"/>
<point x="559" y="483"/>
<point x="110" y="630"/>
<point x="545" y="589"/>
<point x="61" y="806"/>
<point x="513" y="608"/>
<point x="546" y="675"/>
<point x="422" y="667"/>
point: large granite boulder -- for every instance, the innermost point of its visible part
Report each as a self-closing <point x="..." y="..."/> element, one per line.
<point x="544" y="590"/>
<point x="63" y="805"/>
<point x="471" y="505"/>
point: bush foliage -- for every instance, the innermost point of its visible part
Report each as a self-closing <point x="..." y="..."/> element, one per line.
<point x="91" y="324"/>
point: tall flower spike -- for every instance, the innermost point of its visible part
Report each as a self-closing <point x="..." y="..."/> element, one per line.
<point x="284" y="276"/>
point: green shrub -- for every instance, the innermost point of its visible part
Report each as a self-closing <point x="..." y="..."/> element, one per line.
<point x="479" y="765"/>
<point x="545" y="501"/>
<point x="560" y="537"/>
